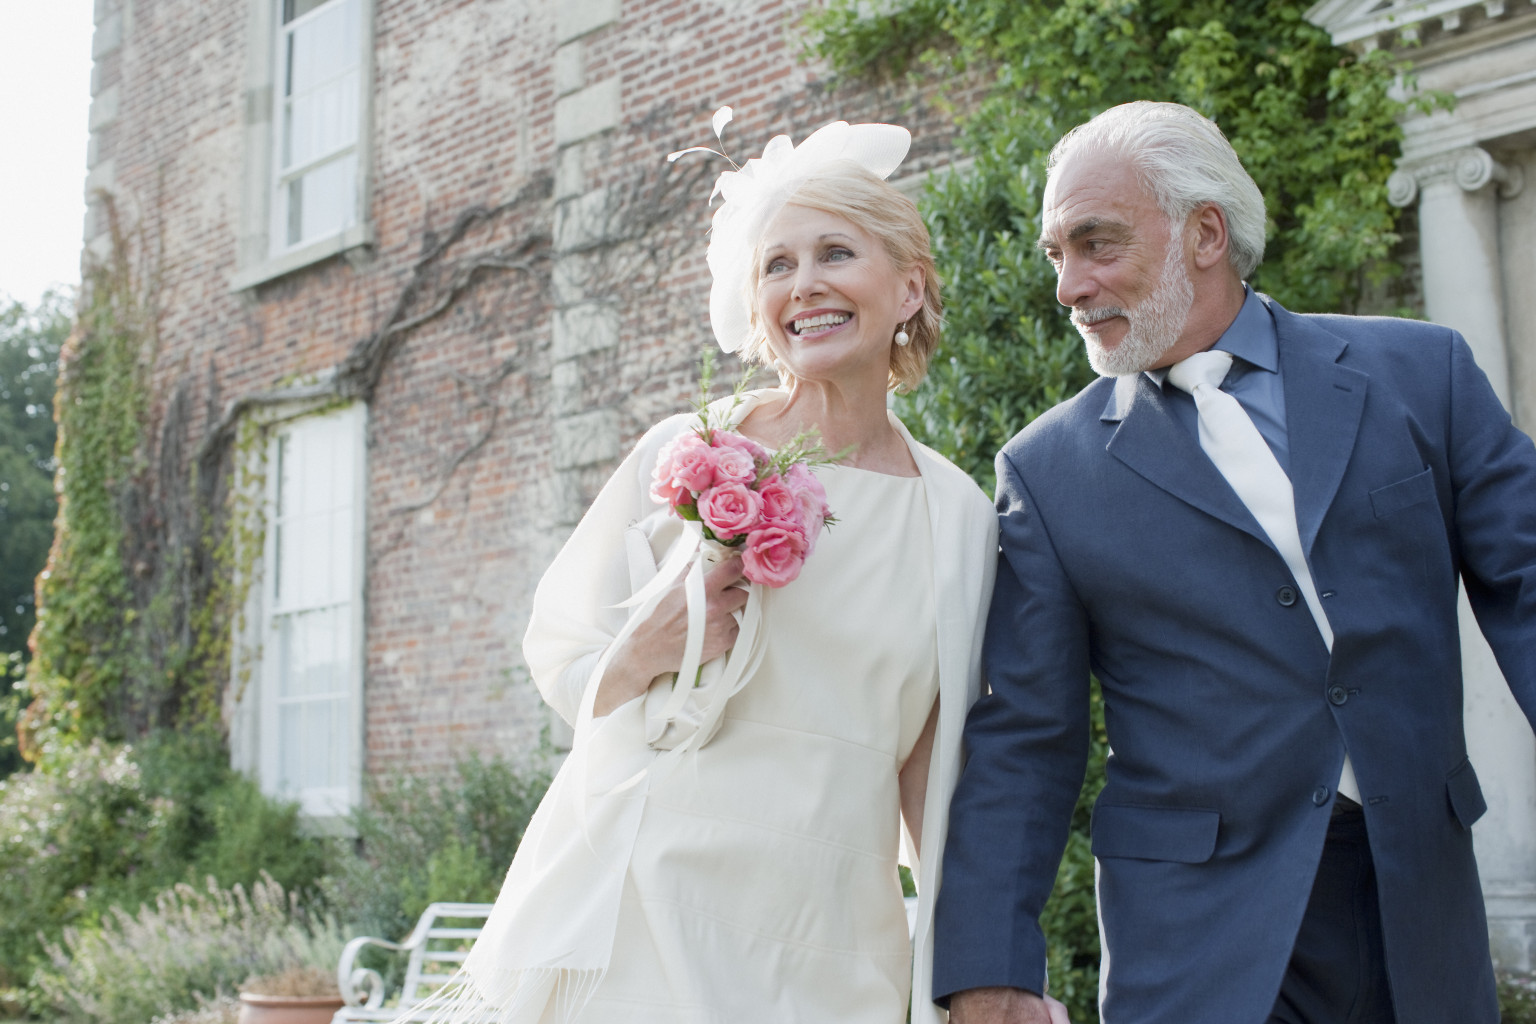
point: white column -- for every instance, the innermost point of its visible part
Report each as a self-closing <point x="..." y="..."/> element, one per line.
<point x="1459" y="245"/>
<point x="1458" y="196"/>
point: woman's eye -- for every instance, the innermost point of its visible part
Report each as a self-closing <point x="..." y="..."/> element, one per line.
<point x="839" y="253"/>
<point x="775" y="267"/>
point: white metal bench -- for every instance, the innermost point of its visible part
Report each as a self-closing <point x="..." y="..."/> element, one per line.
<point x="436" y="947"/>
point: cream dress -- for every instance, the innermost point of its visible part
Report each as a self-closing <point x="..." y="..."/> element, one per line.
<point x="763" y="883"/>
<point x="752" y="878"/>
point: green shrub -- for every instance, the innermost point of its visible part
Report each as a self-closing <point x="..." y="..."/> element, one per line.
<point x="422" y="840"/>
<point x="190" y="946"/>
<point x="112" y="826"/>
<point x="1517" y="997"/>
<point x="223" y="1010"/>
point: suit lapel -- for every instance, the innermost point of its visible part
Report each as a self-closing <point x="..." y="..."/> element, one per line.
<point x="1152" y="442"/>
<point x="1324" y="402"/>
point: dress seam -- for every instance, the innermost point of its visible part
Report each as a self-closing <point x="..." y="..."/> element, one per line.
<point x="658" y="801"/>
<point x="795" y="943"/>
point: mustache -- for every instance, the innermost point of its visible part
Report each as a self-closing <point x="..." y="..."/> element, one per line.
<point x="1087" y="317"/>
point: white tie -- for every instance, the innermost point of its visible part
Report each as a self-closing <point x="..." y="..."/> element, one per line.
<point x="1242" y="455"/>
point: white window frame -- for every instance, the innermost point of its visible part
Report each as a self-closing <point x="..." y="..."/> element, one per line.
<point x="256" y="736"/>
<point x="263" y="253"/>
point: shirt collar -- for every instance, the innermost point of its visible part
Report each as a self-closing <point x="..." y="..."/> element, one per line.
<point x="1250" y="337"/>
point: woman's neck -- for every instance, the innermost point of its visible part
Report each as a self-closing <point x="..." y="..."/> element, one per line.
<point x="846" y="419"/>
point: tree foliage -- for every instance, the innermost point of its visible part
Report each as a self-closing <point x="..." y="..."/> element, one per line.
<point x="1314" y="124"/>
<point x="30" y="338"/>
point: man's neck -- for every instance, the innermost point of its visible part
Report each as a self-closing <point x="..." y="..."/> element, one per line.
<point x="1214" y="309"/>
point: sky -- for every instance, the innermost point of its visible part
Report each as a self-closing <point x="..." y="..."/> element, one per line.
<point x="45" y="98"/>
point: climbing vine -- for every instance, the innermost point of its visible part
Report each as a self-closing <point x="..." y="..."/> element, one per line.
<point x="159" y="539"/>
<point x="81" y="676"/>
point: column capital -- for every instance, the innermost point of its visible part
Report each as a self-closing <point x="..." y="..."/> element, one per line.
<point x="1470" y="167"/>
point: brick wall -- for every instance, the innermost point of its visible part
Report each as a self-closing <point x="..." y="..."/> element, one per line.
<point x="493" y="424"/>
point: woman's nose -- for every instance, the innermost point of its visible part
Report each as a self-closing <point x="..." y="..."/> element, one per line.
<point x="808" y="280"/>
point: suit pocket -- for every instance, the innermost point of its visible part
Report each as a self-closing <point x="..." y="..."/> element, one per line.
<point x="1396" y="497"/>
<point x="1465" y="794"/>
<point x="1181" y="834"/>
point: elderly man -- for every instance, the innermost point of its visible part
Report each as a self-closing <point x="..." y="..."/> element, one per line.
<point x="1251" y="530"/>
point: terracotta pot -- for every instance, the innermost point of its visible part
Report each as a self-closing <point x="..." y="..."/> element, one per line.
<point x="259" y="1009"/>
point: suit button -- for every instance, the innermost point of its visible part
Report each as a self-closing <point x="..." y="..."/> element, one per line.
<point x="1320" y="796"/>
<point x="1337" y="695"/>
<point x="1286" y="596"/>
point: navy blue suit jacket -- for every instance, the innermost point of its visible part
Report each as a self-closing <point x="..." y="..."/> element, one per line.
<point x="1125" y="553"/>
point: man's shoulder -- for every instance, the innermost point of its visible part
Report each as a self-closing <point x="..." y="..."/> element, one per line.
<point x="1373" y="334"/>
<point x="1066" y="426"/>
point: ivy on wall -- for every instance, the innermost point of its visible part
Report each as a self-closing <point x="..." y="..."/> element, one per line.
<point x="1313" y="123"/>
<point x="80" y="669"/>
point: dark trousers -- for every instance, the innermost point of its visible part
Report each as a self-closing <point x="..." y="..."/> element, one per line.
<point x="1338" y="973"/>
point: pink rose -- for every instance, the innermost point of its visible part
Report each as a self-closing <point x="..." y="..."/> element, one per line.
<point x="811" y="497"/>
<point x="730" y="509"/>
<point x="779" y="505"/>
<point x="665" y="490"/>
<point x="728" y="439"/>
<point x="773" y="555"/>
<point x="733" y="464"/>
<point x="693" y="463"/>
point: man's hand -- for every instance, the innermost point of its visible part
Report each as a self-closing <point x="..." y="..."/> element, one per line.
<point x="1004" y="1006"/>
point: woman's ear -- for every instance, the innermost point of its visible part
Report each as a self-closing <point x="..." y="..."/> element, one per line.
<point x="914" y="289"/>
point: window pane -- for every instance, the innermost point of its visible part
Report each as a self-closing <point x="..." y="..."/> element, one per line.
<point x="321" y="121"/>
<point x="313" y="655"/>
<point x="298" y="8"/>
<point x="311" y="650"/>
<point x="323" y="48"/>
<point x="318" y="121"/>
<point x="324" y="201"/>
<point x="314" y="734"/>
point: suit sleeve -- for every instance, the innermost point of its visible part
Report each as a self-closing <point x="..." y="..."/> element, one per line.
<point x="1493" y="478"/>
<point x="1027" y="747"/>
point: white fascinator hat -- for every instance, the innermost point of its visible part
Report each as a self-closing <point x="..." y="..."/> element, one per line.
<point x="754" y="193"/>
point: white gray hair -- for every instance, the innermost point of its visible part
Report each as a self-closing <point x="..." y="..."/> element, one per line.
<point x="1183" y="159"/>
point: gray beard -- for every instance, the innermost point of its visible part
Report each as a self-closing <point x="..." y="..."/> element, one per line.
<point x="1154" y="324"/>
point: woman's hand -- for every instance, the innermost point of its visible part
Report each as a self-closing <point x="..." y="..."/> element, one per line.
<point x="656" y="647"/>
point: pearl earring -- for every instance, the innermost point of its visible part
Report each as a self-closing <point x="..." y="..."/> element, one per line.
<point x="902" y="337"/>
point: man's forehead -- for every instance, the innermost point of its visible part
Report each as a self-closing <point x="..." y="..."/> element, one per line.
<point x="1092" y="188"/>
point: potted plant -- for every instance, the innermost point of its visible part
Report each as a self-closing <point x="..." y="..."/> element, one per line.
<point x="299" y="995"/>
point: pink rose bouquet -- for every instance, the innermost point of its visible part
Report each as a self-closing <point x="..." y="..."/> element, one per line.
<point x="767" y="505"/>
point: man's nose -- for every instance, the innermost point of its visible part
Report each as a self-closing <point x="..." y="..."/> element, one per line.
<point x="1074" y="282"/>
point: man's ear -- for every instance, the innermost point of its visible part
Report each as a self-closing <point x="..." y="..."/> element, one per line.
<point x="1211" y="238"/>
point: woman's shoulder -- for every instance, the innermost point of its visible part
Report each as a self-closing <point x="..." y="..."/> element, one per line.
<point x="945" y="473"/>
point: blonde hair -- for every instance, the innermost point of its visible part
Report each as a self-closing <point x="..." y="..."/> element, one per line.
<point x="870" y="203"/>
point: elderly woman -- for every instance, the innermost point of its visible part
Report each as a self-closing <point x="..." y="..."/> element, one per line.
<point x="750" y="873"/>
